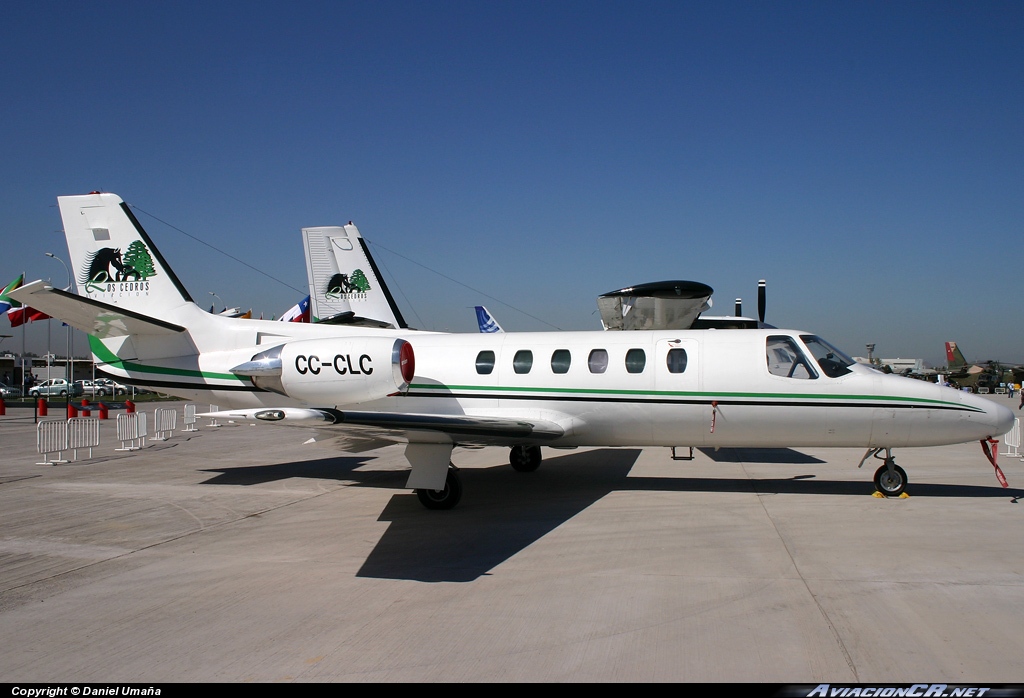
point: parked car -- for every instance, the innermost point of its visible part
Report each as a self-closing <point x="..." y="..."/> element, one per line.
<point x="102" y="387"/>
<point x="9" y="390"/>
<point x="107" y="386"/>
<point x="56" y="387"/>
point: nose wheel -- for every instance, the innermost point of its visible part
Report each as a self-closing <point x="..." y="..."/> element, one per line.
<point x="891" y="480"/>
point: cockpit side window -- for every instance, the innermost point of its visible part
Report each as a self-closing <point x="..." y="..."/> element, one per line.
<point x="833" y="362"/>
<point x="785" y="359"/>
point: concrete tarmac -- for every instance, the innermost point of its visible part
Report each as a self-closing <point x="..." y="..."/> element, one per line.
<point x="238" y="554"/>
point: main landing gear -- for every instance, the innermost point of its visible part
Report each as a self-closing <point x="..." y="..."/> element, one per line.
<point x="525" y="459"/>
<point x="446" y="498"/>
<point x="890" y="479"/>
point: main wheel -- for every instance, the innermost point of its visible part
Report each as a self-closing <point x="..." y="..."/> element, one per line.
<point x="446" y="498"/>
<point x="525" y="459"/>
<point x="891" y="484"/>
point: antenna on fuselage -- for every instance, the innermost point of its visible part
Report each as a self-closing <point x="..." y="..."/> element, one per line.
<point x="761" y="300"/>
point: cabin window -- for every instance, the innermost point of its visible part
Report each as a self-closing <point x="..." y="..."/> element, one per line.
<point x="560" y="361"/>
<point x="786" y="359"/>
<point x="522" y="362"/>
<point x="597" y="362"/>
<point x="485" y="362"/>
<point x="636" y="359"/>
<point x="676" y="360"/>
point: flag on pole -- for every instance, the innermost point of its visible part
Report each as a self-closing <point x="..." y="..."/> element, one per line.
<point x="17" y="313"/>
<point x="298" y="312"/>
<point x="24" y="314"/>
<point x="5" y="302"/>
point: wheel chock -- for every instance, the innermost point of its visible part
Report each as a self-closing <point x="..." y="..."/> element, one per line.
<point x="878" y="495"/>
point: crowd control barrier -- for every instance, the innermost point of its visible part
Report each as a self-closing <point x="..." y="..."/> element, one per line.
<point x="131" y="431"/>
<point x="1012" y="441"/>
<point x="165" y="420"/>
<point x="190" y="418"/>
<point x="213" y="420"/>
<point x="83" y="432"/>
<point x="52" y="437"/>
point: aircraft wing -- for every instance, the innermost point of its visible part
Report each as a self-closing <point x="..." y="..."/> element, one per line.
<point x="395" y="427"/>
<point x="91" y="316"/>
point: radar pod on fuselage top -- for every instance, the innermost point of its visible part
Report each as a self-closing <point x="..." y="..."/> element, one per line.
<point x="365" y="386"/>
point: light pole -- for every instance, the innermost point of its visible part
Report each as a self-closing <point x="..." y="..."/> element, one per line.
<point x="70" y="364"/>
<point x="218" y="298"/>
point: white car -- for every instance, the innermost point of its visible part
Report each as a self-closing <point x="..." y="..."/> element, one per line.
<point x="105" y="386"/>
<point x="56" y="387"/>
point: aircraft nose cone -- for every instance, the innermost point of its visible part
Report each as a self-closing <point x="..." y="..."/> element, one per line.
<point x="1002" y="419"/>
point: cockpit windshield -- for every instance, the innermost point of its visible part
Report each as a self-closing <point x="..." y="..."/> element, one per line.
<point x="833" y="362"/>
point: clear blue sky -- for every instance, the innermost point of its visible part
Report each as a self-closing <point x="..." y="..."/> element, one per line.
<point x="867" y="159"/>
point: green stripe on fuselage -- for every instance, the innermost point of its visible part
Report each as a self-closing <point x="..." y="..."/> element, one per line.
<point x="596" y="392"/>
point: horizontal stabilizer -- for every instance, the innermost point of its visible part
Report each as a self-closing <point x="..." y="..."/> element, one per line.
<point x="90" y="316"/>
<point x="662" y="305"/>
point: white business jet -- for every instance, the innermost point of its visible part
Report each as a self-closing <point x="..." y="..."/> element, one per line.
<point x="366" y="384"/>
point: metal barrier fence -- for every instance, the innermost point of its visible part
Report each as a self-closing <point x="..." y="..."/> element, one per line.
<point x="59" y="435"/>
<point x="131" y="431"/>
<point x="213" y="420"/>
<point x="83" y="432"/>
<point x="165" y="420"/>
<point x="190" y="418"/>
<point x="1012" y="441"/>
<point x="51" y="437"/>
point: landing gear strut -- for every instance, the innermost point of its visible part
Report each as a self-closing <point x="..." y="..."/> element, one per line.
<point x="890" y="479"/>
<point x="446" y="498"/>
<point x="525" y="459"/>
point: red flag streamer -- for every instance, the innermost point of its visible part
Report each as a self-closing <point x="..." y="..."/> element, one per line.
<point x="991" y="454"/>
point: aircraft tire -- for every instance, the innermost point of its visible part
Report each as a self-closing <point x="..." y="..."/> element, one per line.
<point x="891" y="484"/>
<point x="525" y="459"/>
<point x="443" y="499"/>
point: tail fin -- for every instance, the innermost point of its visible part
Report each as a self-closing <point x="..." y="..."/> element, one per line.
<point x="114" y="260"/>
<point x="954" y="359"/>
<point x="486" y="321"/>
<point x="344" y="280"/>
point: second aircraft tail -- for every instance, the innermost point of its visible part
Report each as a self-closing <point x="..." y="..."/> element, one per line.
<point x="345" y="285"/>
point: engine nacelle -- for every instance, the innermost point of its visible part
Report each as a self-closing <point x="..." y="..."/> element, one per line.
<point x="334" y="371"/>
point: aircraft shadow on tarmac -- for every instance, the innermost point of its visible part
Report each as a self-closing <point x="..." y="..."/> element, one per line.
<point x="503" y="512"/>
<point x="337" y="468"/>
<point x="758" y="455"/>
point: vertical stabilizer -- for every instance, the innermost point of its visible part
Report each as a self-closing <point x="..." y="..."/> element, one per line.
<point x="343" y="277"/>
<point x="954" y="359"/>
<point x="112" y="258"/>
<point x="486" y="321"/>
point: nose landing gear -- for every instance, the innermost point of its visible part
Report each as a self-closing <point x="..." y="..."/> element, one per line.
<point x="890" y="479"/>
